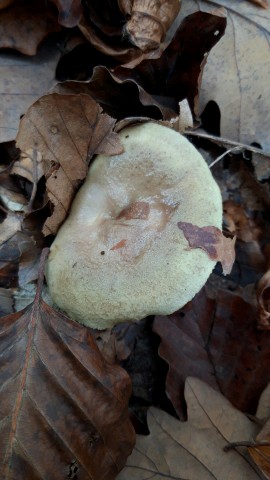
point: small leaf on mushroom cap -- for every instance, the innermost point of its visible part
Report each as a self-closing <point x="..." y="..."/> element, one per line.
<point x="120" y="254"/>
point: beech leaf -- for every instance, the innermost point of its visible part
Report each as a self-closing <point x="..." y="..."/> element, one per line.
<point x="62" y="405"/>
<point x="194" y="449"/>
<point x="212" y="241"/>
<point x="66" y="130"/>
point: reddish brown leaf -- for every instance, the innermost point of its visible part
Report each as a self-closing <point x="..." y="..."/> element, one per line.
<point x="66" y="130"/>
<point x="261" y="3"/>
<point x="5" y="3"/>
<point x="184" y="336"/>
<point x="25" y="24"/>
<point x="70" y="12"/>
<point x="225" y="341"/>
<point x="62" y="405"/>
<point x="212" y="241"/>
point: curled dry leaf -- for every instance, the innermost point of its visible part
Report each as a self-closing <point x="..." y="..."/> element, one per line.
<point x="263" y="298"/>
<point x="61" y="403"/>
<point x="194" y="449"/>
<point x="149" y="21"/>
<point x="70" y="12"/>
<point x="177" y="73"/>
<point x="25" y="24"/>
<point x="212" y="241"/>
<point x="66" y="130"/>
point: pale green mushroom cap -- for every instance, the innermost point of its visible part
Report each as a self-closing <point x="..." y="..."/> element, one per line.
<point x="120" y="254"/>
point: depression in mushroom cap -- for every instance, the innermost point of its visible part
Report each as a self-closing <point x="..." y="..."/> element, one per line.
<point x="120" y="254"/>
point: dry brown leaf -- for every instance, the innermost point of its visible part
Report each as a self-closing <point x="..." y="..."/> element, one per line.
<point x="62" y="405"/>
<point x="66" y="130"/>
<point x="19" y="86"/>
<point x="25" y="24"/>
<point x="263" y="298"/>
<point x="237" y="72"/>
<point x="212" y="241"/>
<point x="194" y="449"/>
<point x="260" y="453"/>
<point x="239" y="223"/>
<point x="5" y="3"/>
<point x="149" y="21"/>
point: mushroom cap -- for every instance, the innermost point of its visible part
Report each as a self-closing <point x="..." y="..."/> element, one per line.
<point x="120" y="254"/>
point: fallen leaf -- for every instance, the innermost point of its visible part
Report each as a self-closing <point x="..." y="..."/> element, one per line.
<point x="5" y="3"/>
<point x="194" y="449"/>
<point x="236" y="75"/>
<point x="25" y="24"/>
<point x="259" y="453"/>
<point x="70" y="12"/>
<point x="263" y="297"/>
<point x="19" y="86"/>
<point x="239" y="223"/>
<point x="212" y="241"/>
<point x="149" y="21"/>
<point x="219" y="343"/>
<point x="62" y="405"/>
<point x="184" y="338"/>
<point x="66" y="130"/>
<point x="176" y="74"/>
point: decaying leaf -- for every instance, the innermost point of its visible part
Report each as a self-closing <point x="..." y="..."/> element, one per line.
<point x="176" y="75"/>
<point x="237" y="72"/>
<point x="23" y="25"/>
<point x="263" y="297"/>
<point x="149" y="21"/>
<point x="194" y="449"/>
<point x="183" y="346"/>
<point x="261" y="3"/>
<point x="66" y="130"/>
<point x="61" y="403"/>
<point x="260" y="453"/>
<point x="70" y="12"/>
<point x="19" y="86"/>
<point x="212" y="241"/>
<point x="218" y="342"/>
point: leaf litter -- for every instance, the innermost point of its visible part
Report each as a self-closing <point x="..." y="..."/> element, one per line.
<point x="217" y="332"/>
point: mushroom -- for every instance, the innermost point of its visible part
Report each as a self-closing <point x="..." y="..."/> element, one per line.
<point x="120" y="254"/>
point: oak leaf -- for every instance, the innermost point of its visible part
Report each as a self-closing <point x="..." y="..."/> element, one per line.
<point x="63" y="408"/>
<point x="66" y="130"/>
<point x="194" y="449"/>
<point x="236" y="75"/>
